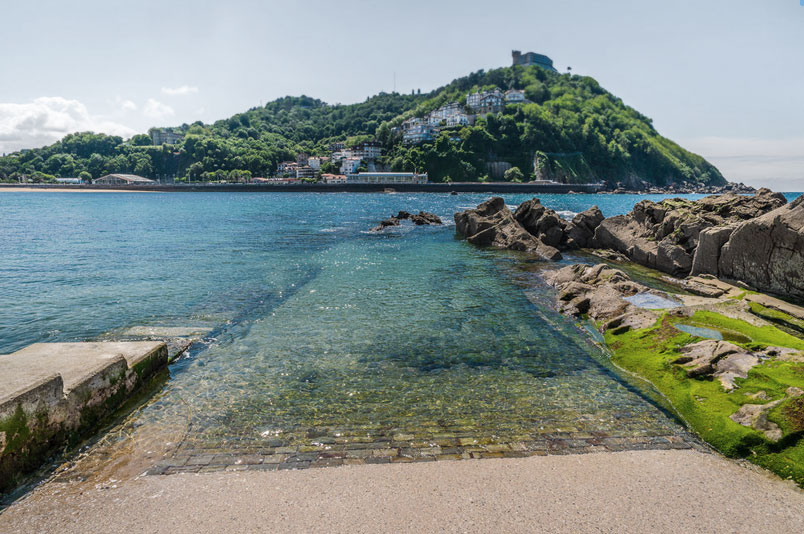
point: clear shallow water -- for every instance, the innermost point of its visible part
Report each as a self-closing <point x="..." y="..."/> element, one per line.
<point x="322" y="330"/>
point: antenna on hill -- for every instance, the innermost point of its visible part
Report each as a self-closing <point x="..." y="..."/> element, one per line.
<point x="394" y="81"/>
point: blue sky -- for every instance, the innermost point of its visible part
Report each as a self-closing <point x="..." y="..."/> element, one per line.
<point x="721" y="77"/>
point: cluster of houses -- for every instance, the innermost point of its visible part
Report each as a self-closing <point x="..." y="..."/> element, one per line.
<point x="478" y="104"/>
<point x="356" y="164"/>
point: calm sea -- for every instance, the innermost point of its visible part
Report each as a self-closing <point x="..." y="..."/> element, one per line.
<point x="318" y="326"/>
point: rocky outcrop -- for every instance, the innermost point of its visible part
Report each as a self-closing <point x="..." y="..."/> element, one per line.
<point x="581" y="231"/>
<point x="599" y="292"/>
<point x="532" y="227"/>
<point x="665" y="235"/>
<point x="721" y="360"/>
<point x="767" y="252"/>
<point x="420" y="219"/>
<point x="707" y="254"/>
<point x="492" y="224"/>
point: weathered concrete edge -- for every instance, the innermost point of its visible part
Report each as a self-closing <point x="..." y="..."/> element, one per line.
<point x="41" y="417"/>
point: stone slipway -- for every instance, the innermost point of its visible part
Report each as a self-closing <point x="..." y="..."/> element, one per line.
<point x="51" y="393"/>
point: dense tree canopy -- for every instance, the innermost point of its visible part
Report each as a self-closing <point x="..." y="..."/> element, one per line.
<point x="570" y="129"/>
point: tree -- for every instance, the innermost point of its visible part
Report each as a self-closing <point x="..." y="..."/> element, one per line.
<point x="85" y="177"/>
<point x="513" y="175"/>
<point x="141" y="140"/>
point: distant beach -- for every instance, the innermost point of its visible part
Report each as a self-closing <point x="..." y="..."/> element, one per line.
<point x="14" y="189"/>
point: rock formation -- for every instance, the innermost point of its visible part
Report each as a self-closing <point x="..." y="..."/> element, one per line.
<point x="599" y="292"/>
<point x="532" y="227"/>
<point x="492" y="224"/>
<point x="665" y="235"/>
<point x="419" y="219"/>
<point x="767" y="252"/>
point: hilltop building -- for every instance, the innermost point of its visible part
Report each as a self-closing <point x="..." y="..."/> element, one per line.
<point x="123" y="179"/>
<point x="532" y="58"/>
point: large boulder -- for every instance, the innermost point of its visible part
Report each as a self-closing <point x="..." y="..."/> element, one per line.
<point x="492" y="224"/>
<point x="707" y="254"/>
<point x="665" y="235"/>
<point x="767" y="252"/>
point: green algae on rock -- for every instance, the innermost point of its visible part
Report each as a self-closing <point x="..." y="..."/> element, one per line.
<point x="754" y="410"/>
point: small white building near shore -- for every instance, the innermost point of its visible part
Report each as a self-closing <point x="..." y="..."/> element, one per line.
<point x="386" y="178"/>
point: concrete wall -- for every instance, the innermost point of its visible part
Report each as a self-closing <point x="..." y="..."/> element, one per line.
<point x="52" y="394"/>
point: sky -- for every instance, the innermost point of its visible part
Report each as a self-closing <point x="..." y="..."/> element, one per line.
<point x="723" y="78"/>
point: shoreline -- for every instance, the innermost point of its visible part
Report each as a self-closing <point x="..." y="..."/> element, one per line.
<point x="459" y="187"/>
<point x="62" y="189"/>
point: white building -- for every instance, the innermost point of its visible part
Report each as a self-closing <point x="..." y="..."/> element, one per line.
<point x="368" y="151"/>
<point x="485" y="101"/>
<point x="162" y="136"/>
<point x="350" y="165"/>
<point x="386" y="178"/>
<point x="123" y="179"/>
<point x="315" y="163"/>
<point x="333" y="178"/>
<point x="514" y="96"/>
<point x="287" y="167"/>
<point x="459" y="119"/>
<point x="303" y="171"/>
<point x="418" y="130"/>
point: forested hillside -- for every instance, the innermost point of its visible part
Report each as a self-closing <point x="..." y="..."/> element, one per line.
<point x="570" y="129"/>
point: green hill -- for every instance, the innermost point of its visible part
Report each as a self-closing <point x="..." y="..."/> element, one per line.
<point x="570" y="130"/>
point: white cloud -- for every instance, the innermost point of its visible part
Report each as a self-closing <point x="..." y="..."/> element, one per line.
<point x="128" y="105"/>
<point x="48" y="119"/>
<point x="155" y="109"/>
<point x="180" y="91"/>
<point x="774" y="163"/>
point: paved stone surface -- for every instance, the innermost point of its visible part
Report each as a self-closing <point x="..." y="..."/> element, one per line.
<point x="636" y="491"/>
<point x="404" y="448"/>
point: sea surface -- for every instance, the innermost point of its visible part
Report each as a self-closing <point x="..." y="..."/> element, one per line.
<point x="318" y="328"/>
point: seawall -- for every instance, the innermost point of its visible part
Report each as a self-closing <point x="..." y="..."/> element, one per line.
<point x="461" y="187"/>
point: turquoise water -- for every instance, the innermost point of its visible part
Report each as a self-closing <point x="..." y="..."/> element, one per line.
<point x="320" y="328"/>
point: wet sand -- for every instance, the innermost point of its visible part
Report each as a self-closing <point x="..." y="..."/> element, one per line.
<point x="635" y="491"/>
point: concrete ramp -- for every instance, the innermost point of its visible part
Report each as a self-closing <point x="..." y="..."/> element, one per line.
<point x="53" y="393"/>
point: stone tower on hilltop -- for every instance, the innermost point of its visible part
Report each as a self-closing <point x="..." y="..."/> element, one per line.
<point x="532" y="58"/>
